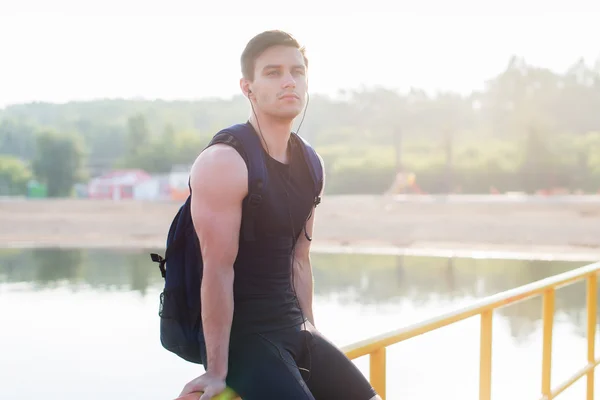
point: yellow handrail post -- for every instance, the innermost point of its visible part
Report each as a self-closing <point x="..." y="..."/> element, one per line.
<point x="592" y="298"/>
<point x="548" y="317"/>
<point x="485" y="357"/>
<point x="377" y="371"/>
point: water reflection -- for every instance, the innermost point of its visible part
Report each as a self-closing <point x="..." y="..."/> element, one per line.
<point x="99" y="269"/>
<point x="363" y="279"/>
<point x="114" y="297"/>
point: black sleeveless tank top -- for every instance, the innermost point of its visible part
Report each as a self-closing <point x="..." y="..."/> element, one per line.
<point x="264" y="296"/>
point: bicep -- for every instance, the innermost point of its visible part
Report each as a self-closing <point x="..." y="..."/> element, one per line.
<point x="219" y="185"/>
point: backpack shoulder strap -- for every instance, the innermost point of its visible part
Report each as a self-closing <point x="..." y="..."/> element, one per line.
<point x="314" y="165"/>
<point x="243" y="138"/>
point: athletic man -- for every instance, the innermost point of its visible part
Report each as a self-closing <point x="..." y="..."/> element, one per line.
<point x="269" y="348"/>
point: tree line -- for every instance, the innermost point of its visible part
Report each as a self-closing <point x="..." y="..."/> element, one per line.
<point x="529" y="128"/>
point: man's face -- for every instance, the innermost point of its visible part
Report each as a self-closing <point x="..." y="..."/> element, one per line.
<point x="280" y="85"/>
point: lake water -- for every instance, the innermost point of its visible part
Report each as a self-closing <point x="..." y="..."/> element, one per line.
<point x="83" y="324"/>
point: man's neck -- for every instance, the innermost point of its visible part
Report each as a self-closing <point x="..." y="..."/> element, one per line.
<point x="276" y="134"/>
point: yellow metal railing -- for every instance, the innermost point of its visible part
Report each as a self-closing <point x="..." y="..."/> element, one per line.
<point x="376" y="347"/>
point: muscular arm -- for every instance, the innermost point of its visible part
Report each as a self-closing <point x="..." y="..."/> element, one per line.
<point x="219" y="183"/>
<point x="303" y="276"/>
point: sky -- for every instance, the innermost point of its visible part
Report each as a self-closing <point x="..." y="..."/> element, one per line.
<point x="65" y="50"/>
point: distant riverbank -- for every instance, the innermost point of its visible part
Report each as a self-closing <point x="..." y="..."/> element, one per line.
<point x="487" y="226"/>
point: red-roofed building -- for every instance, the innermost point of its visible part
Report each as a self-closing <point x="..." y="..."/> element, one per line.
<point x="117" y="184"/>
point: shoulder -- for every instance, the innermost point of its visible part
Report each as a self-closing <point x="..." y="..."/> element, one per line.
<point x="321" y="161"/>
<point x="319" y="158"/>
<point x="316" y="161"/>
<point x="304" y="143"/>
<point x="323" y="173"/>
<point x="219" y="165"/>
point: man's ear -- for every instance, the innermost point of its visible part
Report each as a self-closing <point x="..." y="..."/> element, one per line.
<point x="245" y="86"/>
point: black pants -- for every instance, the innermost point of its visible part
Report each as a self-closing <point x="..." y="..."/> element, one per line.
<point x="293" y="364"/>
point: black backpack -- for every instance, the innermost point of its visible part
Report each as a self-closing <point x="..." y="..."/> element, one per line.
<point x="181" y="267"/>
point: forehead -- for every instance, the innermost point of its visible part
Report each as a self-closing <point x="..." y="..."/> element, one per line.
<point x="284" y="56"/>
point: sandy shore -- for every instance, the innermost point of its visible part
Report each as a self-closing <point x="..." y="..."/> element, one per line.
<point x="537" y="229"/>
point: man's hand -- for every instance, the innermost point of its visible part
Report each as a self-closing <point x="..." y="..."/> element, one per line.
<point x="211" y="385"/>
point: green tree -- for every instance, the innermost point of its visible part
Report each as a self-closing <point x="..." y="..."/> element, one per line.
<point x="537" y="166"/>
<point x="138" y="134"/>
<point x="14" y="175"/>
<point x="162" y="153"/>
<point x="58" y="162"/>
<point x="17" y="138"/>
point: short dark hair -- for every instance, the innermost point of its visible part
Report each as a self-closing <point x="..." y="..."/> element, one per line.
<point x="261" y="42"/>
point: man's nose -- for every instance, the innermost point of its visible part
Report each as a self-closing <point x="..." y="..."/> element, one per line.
<point x="289" y="81"/>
